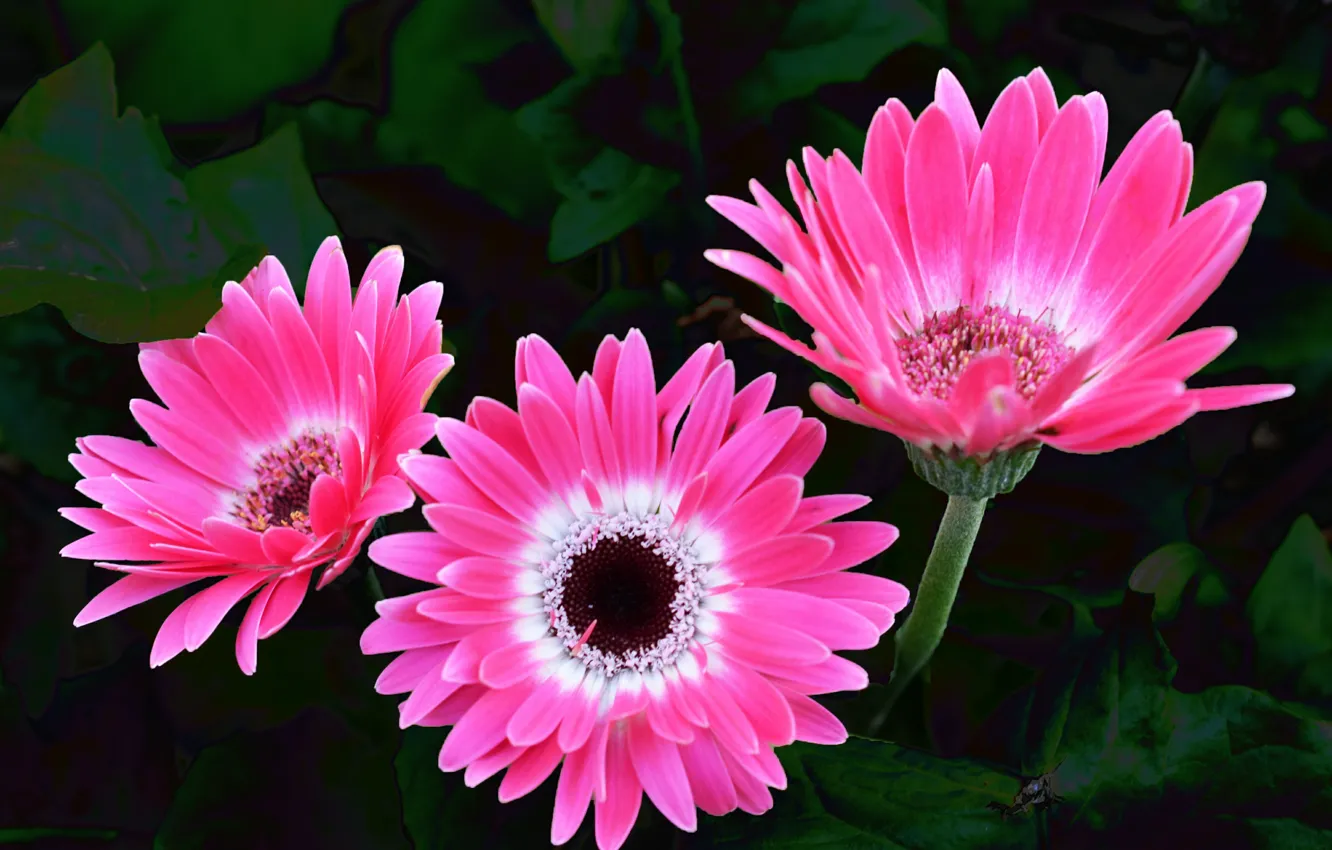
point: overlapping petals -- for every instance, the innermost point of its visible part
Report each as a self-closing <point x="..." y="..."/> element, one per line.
<point x="276" y="448"/>
<point x="1041" y="298"/>
<point x="630" y="586"/>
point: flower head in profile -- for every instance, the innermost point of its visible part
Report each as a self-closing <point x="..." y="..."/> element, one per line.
<point x="982" y="288"/>
<point x="646" y="610"/>
<point x="276" y="450"/>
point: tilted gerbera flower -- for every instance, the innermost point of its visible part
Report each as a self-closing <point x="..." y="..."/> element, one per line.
<point x="652" y="610"/>
<point x="275" y="453"/>
<point x="983" y="291"/>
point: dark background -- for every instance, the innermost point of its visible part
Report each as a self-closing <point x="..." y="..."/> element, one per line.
<point x="1157" y="623"/>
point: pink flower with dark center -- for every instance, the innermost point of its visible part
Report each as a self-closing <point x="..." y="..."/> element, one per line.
<point x="981" y="288"/>
<point x="652" y="609"/>
<point x="275" y="453"/>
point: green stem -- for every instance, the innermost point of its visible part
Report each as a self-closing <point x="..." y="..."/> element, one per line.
<point x="372" y="584"/>
<point x="672" y="40"/>
<point x="918" y="637"/>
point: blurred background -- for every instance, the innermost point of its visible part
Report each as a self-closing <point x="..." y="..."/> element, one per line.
<point x="1157" y="624"/>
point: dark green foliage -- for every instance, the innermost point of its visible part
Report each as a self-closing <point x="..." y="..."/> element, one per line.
<point x="547" y="162"/>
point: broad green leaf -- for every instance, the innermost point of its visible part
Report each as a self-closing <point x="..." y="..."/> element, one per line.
<point x="879" y="796"/>
<point x="206" y="60"/>
<point x="1130" y="749"/>
<point x="91" y="219"/>
<point x="1165" y="574"/>
<point x="440" y="114"/>
<point x="610" y="195"/>
<point x="440" y="812"/>
<point x="590" y="33"/>
<point x="829" y="42"/>
<point x="94" y="221"/>
<point x="1290" y="610"/>
<point x="313" y="782"/>
<point x="265" y="196"/>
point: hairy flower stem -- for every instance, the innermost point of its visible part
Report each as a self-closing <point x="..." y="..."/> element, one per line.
<point x="918" y="637"/>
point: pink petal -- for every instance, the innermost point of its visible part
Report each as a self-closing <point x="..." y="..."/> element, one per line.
<point x="509" y="665"/>
<point x="427" y="695"/>
<point x="595" y="436"/>
<point x="210" y="605"/>
<point x="122" y="544"/>
<point x="936" y="195"/>
<point x="831" y="675"/>
<point x="241" y="386"/>
<point x="480" y="532"/>
<point x="761" y="513"/>
<point x="552" y="438"/>
<point x="581" y="774"/>
<point x="529" y="770"/>
<point x="661" y="772"/>
<point x="952" y="99"/>
<point x="545" y="370"/>
<point x="740" y="459"/>
<point x="484" y="578"/>
<point x="481" y="728"/>
<point x="709" y="779"/>
<point x="126" y="593"/>
<point x="247" y="636"/>
<point x="490" y="764"/>
<point x="822" y="619"/>
<point x="778" y="558"/>
<point x="762" y="644"/>
<point x="634" y="413"/>
<point x="703" y="427"/>
<point x="814" y="510"/>
<point x="170" y="640"/>
<point x="763" y="705"/>
<point x="797" y="457"/>
<point x="328" y="506"/>
<point x="1008" y="144"/>
<point x="854" y="543"/>
<point x="405" y="672"/>
<point x="814" y="723"/>
<point x="464" y="664"/>
<point x="415" y="554"/>
<point x="457" y="609"/>
<point x="1054" y="205"/>
<point x="1225" y="398"/>
<point x="615" y="815"/>
<point x="281" y="545"/>
<point x="538" y="718"/>
<point x="328" y="296"/>
<point x="193" y="449"/>
<point x="288" y="594"/>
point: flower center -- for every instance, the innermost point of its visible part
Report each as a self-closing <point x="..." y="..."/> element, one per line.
<point x="622" y="593"/>
<point x="935" y="358"/>
<point x="286" y="473"/>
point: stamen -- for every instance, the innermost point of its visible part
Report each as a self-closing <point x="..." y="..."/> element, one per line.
<point x="574" y="650"/>
<point x="934" y="358"/>
<point x="285" y="473"/>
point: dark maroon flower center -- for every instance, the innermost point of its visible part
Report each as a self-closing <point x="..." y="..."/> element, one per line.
<point x="625" y="587"/>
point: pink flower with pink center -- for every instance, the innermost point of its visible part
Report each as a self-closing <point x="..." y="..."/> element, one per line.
<point x="631" y="583"/>
<point x="983" y="288"/>
<point x="276" y="451"/>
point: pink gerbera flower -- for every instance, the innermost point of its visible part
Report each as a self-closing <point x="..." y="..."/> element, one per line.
<point x="983" y="288"/>
<point x="653" y="610"/>
<point x="276" y="452"/>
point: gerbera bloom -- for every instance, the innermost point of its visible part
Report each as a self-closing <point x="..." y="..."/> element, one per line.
<point x="653" y="610"/>
<point x="276" y="451"/>
<point x="982" y="288"/>
<point x="983" y="291"/>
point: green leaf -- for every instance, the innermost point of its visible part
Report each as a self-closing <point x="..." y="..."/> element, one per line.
<point x="440" y="812"/>
<point x="1131" y="750"/>
<point x="829" y="42"/>
<point x="1165" y="573"/>
<point x="94" y="222"/>
<point x="610" y="195"/>
<point x="590" y="33"/>
<point x="873" y="794"/>
<point x="264" y="196"/>
<point x="172" y="52"/>
<point x="313" y="782"/>
<point x="91" y="219"/>
<point x="1290" y="610"/>
<point x="440" y="113"/>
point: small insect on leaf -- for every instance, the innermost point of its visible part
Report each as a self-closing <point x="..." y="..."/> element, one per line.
<point x="1036" y="792"/>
